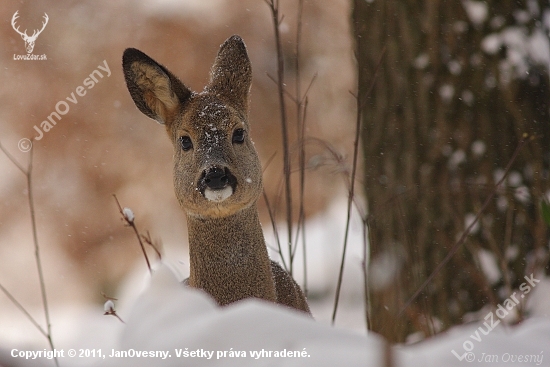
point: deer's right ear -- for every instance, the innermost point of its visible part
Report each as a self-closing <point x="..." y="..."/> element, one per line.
<point x="155" y="91"/>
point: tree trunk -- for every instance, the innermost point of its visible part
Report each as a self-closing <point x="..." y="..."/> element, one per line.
<point x="439" y="128"/>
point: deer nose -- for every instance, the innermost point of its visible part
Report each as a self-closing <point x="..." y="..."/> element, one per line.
<point x="216" y="178"/>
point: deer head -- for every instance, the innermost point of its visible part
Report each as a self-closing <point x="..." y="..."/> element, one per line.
<point x="217" y="171"/>
<point x="29" y="40"/>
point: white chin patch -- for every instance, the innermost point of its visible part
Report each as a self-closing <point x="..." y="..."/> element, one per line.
<point x="218" y="195"/>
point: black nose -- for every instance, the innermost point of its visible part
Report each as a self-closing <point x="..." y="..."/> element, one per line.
<point x="216" y="178"/>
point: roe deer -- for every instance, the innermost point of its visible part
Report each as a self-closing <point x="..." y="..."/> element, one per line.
<point x="217" y="174"/>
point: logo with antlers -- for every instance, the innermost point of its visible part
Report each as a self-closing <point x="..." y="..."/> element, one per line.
<point x="29" y="40"/>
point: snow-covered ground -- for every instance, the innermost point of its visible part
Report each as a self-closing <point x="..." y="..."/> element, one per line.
<point x="177" y="326"/>
<point x="169" y="318"/>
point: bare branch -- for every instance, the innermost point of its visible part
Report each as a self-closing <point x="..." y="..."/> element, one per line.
<point x="28" y="174"/>
<point x="23" y="310"/>
<point x="304" y="97"/>
<point x="129" y="219"/>
<point x="275" y="231"/>
<point x="360" y="104"/>
<point x="149" y="241"/>
<point x="274" y="7"/>
<point x="13" y="160"/>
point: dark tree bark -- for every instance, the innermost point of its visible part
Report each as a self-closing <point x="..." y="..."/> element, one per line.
<point x="440" y="126"/>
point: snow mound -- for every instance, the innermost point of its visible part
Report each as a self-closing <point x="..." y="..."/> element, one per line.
<point x="188" y="326"/>
<point x="524" y="345"/>
<point x="170" y="317"/>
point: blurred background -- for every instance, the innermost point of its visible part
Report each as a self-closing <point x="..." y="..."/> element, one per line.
<point x="103" y="145"/>
<point x="456" y="89"/>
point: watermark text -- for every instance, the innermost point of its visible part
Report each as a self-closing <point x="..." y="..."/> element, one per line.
<point x="491" y="321"/>
<point x="63" y="107"/>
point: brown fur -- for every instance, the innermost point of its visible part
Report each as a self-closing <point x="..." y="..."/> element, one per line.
<point x="227" y="249"/>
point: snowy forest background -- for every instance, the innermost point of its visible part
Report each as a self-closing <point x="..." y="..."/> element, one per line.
<point x="453" y="97"/>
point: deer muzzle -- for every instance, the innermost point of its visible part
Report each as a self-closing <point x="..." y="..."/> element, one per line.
<point x="217" y="183"/>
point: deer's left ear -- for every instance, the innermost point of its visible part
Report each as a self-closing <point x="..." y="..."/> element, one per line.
<point x="155" y="90"/>
<point x="231" y="74"/>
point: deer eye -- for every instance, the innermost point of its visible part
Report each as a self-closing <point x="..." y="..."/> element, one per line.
<point x="186" y="143"/>
<point x="238" y="136"/>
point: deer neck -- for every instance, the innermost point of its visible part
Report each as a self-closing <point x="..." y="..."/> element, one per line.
<point x="228" y="257"/>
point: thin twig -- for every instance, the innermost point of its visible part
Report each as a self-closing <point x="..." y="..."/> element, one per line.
<point x="295" y="99"/>
<point x="37" y="252"/>
<point x="275" y="231"/>
<point x="28" y="174"/>
<point x="115" y="315"/>
<point x="302" y="217"/>
<point x="130" y="222"/>
<point x="351" y="193"/>
<point x="286" y="92"/>
<point x="300" y="124"/>
<point x="269" y="160"/>
<point x="149" y="241"/>
<point x="23" y="310"/>
<point x="366" y="233"/>
<point x="465" y="234"/>
<point x="108" y="298"/>
<point x="274" y="7"/>
<point x="13" y="160"/>
<point x="507" y="245"/>
<point x="142" y="248"/>
<point x="360" y="103"/>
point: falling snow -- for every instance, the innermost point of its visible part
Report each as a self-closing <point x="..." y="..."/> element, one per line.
<point x="457" y="158"/>
<point x="468" y="220"/>
<point x="514" y="179"/>
<point x="446" y="92"/>
<point x="489" y="266"/>
<point x="477" y="11"/>
<point x="422" y="61"/>
<point x="478" y="148"/>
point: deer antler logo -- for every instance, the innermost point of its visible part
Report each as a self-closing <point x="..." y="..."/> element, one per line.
<point x="29" y="40"/>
